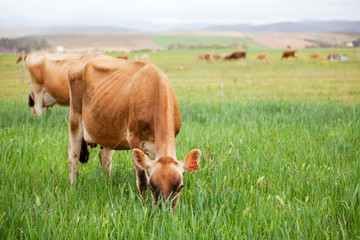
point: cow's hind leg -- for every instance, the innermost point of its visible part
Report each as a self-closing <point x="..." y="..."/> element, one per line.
<point x="38" y="95"/>
<point x="75" y="150"/>
<point x="105" y="156"/>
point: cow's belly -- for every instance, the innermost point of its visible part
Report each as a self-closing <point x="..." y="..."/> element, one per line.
<point x="106" y="137"/>
<point x="105" y="128"/>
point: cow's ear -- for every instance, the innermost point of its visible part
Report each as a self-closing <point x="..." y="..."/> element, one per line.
<point x="141" y="160"/>
<point x="190" y="162"/>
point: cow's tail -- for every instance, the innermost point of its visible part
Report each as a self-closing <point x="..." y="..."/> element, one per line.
<point x="84" y="154"/>
<point x="31" y="101"/>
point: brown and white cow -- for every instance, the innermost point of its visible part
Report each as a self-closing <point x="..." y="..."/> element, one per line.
<point x="49" y="79"/>
<point x="124" y="105"/>
<point x="290" y="53"/>
<point x="206" y="56"/>
<point x="236" y="55"/>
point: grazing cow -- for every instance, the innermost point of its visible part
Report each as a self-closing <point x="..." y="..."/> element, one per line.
<point x="262" y="56"/>
<point x="236" y="55"/>
<point x="205" y="56"/>
<point x="49" y="78"/>
<point x="123" y="105"/>
<point x="314" y="55"/>
<point x="125" y="57"/>
<point x="290" y="53"/>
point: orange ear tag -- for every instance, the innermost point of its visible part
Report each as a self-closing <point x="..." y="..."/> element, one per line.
<point x="193" y="166"/>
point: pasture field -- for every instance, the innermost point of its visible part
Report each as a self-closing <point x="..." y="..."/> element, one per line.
<point x="280" y="159"/>
<point x="166" y="41"/>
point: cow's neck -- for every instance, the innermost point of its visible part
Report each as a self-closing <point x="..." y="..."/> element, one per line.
<point x="164" y="126"/>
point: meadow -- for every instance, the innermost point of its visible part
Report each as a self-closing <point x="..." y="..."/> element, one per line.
<point x="280" y="147"/>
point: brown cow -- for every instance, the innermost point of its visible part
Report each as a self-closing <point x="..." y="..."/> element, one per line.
<point x="314" y="55"/>
<point x="125" y="57"/>
<point x="49" y="79"/>
<point x="124" y="105"/>
<point x="262" y="56"/>
<point x="236" y="55"/>
<point x="289" y="53"/>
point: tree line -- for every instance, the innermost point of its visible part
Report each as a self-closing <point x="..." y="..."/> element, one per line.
<point x="8" y="45"/>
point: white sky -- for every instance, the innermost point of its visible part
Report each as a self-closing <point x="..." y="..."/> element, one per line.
<point x="180" y="11"/>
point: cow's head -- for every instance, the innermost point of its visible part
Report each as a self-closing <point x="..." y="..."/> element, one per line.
<point x="166" y="175"/>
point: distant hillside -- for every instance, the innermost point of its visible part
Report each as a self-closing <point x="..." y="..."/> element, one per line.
<point x="294" y="27"/>
<point x="9" y="30"/>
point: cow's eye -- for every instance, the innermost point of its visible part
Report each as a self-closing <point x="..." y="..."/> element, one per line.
<point x="180" y="187"/>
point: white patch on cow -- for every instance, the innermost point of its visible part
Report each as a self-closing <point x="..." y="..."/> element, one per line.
<point x="128" y="136"/>
<point x="87" y="138"/>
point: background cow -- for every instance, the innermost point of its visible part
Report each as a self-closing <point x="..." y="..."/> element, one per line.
<point x="49" y="78"/>
<point x="333" y="57"/>
<point x="206" y="56"/>
<point x="236" y="55"/>
<point x="262" y="56"/>
<point x="220" y="56"/>
<point x="123" y="57"/>
<point x="290" y="53"/>
<point x="314" y="55"/>
<point x="128" y="105"/>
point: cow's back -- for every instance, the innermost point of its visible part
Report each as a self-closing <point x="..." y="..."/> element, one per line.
<point x="120" y="100"/>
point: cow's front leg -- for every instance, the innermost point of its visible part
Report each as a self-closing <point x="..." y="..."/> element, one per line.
<point x="141" y="180"/>
<point x="75" y="141"/>
<point x="105" y="156"/>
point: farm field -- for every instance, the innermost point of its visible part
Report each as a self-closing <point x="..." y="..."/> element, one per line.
<point x="280" y="145"/>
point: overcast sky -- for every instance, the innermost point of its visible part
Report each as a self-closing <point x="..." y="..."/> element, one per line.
<point x="179" y="11"/>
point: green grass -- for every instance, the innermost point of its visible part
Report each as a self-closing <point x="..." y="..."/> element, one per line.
<point x="280" y="158"/>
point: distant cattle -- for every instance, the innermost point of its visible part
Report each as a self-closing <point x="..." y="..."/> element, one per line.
<point x="220" y="56"/>
<point x="344" y="57"/>
<point x="123" y="57"/>
<point x="49" y="79"/>
<point x="123" y="105"/>
<point x="314" y="55"/>
<point x="333" y="57"/>
<point x="236" y="55"/>
<point x="289" y="54"/>
<point x="206" y="56"/>
<point x="262" y="56"/>
<point x="144" y="57"/>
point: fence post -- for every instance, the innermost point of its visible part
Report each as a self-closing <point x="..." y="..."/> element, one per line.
<point x="22" y="66"/>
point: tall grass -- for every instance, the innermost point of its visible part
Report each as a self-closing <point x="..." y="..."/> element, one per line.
<point x="269" y="169"/>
